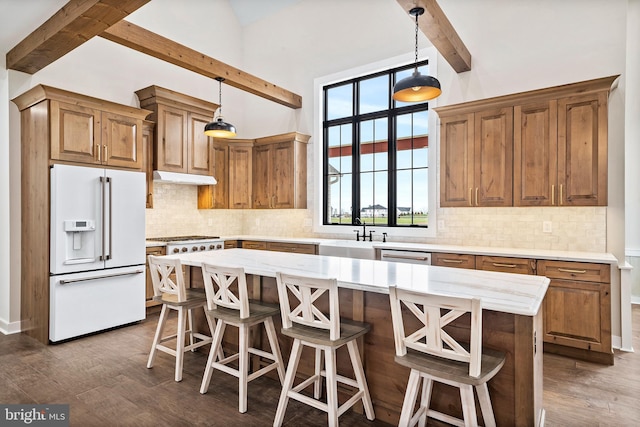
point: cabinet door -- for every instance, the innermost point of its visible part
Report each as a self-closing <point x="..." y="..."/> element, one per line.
<point x="157" y="251"/>
<point x="216" y="196"/>
<point x="287" y="171"/>
<point x="199" y="147"/>
<point x="493" y="169"/>
<point x="456" y="160"/>
<point x="75" y="133"/>
<point x="240" y="170"/>
<point x="582" y="150"/>
<point x="535" y="154"/>
<point x="298" y="248"/>
<point x="147" y="158"/>
<point x="121" y="141"/>
<point x="263" y="169"/>
<point x="250" y="244"/>
<point x="578" y="314"/>
<point x="171" y="147"/>
<point x="453" y="260"/>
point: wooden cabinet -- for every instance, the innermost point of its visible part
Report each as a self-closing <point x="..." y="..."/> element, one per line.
<point x="453" y="260"/>
<point x="298" y="248"/>
<point x="506" y="264"/>
<point x="147" y="158"/>
<point x="240" y="175"/>
<point x="180" y="143"/>
<point x="540" y="148"/>
<point x="577" y="309"/>
<point x="476" y="158"/>
<point x="231" y="244"/>
<point x="157" y="251"/>
<point x="87" y="134"/>
<point x="217" y="196"/>
<point x="251" y="244"/>
<point x="280" y="172"/>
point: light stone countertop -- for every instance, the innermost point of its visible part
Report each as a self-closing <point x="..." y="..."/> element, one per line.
<point x="505" y="292"/>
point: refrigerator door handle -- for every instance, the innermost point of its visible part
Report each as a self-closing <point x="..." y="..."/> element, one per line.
<point x="106" y="276"/>
<point x="102" y="196"/>
<point x="110" y="231"/>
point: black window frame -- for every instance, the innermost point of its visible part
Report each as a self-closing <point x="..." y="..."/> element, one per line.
<point x="391" y="114"/>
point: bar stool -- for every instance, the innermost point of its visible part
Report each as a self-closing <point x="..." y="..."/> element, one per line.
<point x="434" y="355"/>
<point x="303" y="321"/>
<point x="169" y="289"/>
<point x="228" y="303"/>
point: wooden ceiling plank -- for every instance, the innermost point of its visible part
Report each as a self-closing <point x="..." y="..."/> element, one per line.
<point x="145" y="41"/>
<point x="436" y="26"/>
<point x="71" y="26"/>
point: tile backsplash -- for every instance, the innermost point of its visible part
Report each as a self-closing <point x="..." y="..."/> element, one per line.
<point x="175" y="213"/>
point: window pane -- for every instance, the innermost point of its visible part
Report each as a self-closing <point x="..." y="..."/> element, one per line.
<point x="374" y="146"/>
<point x="404" y="192"/>
<point x="340" y="198"/>
<point x="374" y="94"/>
<point x="380" y="201"/>
<point x="340" y="149"/>
<point x="412" y="140"/>
<point x="366" y="197"/>
<point x="340" y="102"/>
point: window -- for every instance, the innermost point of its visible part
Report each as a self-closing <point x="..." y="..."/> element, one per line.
<point x="376" y="153"/>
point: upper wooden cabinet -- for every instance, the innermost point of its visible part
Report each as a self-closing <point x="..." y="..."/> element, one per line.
<point x="180" y="143"/>
<point x="476" y="164"/>
<point x="239" y="174"/>
<point x="280" y="171"/>
<point x="147" y="158"/>
<point x="91" y="131"/>
<point x="217" y="196"/>
<point x="539" y="148"/>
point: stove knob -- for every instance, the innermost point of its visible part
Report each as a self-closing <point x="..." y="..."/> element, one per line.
<point x="203" y="248"/>
<point x="212" y="247"/>
<point x="176" y="250"/>
<point x="194" y="249"/>
<point x="185" y="249"/>
<point x="218" y="246"/>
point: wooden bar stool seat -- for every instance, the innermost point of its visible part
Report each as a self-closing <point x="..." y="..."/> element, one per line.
<point x="432" y="354"/>
<point x="309" y="326"/>
<point x="169" y="289"/>
<point x="228" y="303"/>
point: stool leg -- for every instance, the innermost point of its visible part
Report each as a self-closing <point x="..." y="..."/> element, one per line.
<point x="164" y="313"/>
<point x="409" y="398"/>
<point x="292" y="367"/>
<point x="468" y="406"/>
<point x="243" y="367"/>
<point x="275" y="347"/>
<point x="425" y="400"/>
<point x="190" y="322"/>
<point x="332" y="386"/>
<point x="317" y="385"/>
<point x="358" y="370"/>
<point x="208" y="371"/>
<point x="182" y="325"/>
<point x="212" y="330"/>
<point x="485" y="405"/>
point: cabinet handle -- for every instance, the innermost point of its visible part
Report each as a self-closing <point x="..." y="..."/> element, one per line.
<point x="105" y="153"/>
<point x="452" y="261"/>
<point x="470" y="197"/>
<point x="560" y="198"/>
<point x="98" y="152"/>
<point x="553" y="194"/>
<point x="497" y="264"/>
<point x="477" y="196"/>
<point x="569" y="270"/>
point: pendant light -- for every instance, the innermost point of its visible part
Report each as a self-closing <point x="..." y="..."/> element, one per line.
<point x="416" y="87"/>
<point x="219" y="128"/>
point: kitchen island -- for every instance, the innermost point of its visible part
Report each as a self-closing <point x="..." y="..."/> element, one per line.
<point x="512" y="320"/>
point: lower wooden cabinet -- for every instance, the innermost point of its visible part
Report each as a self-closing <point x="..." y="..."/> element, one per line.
<point x="230" y="244"/>
<point x="298" y="248"/>
<point x="251" y="244"/>
<point x="577" y="310"/>
<point x="157" y="251"/>
<point x="453" y="260"/>
<point x="506" y="264"/>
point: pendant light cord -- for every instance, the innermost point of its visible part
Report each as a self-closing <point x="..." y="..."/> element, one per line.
<point x="220" y="80"/>
<point x="416" y="62"/>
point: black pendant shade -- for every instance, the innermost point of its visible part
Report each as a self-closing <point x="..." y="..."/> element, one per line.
<point x="218" y="128"/>
<point x="417" y="87"/>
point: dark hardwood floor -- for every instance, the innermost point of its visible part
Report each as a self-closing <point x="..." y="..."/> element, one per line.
<point x="105" y="380"/>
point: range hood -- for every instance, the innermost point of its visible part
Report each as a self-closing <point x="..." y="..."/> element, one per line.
<point x="183" y="178"/>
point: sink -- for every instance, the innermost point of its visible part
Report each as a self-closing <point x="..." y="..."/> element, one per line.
<point x="347" y="249"/>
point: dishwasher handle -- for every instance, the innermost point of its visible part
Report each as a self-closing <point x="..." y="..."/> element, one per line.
<point x="406" y="257"/>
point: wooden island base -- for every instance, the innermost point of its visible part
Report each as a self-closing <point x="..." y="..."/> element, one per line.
<point x="516" y="391"/>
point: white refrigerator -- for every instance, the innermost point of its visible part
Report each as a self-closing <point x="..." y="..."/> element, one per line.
<point x="97" y="265"/>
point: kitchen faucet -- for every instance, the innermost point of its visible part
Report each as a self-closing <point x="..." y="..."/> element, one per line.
<point x="364" y="231"/>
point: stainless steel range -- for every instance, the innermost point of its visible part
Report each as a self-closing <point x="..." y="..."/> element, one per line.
<point x="191" y="243"/>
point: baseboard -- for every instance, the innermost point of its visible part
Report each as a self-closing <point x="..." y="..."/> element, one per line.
<point x="8" y="328"/>
<point x="616" y="343"/>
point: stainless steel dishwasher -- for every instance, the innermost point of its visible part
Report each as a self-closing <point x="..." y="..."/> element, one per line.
<point x="408" y="257"/>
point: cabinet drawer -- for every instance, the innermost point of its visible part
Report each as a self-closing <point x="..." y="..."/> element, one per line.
<point x="582" y="271"/>
<point x="250" y="244"/>
<point x="230" y="244"/>
<point x="453" y="260"/>
<point x="506" y="264"/>
<point x="299" y="248"/>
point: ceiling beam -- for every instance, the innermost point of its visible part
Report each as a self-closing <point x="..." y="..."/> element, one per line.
<point x="145" y="41"/>
<point x="436" y="26"/>
<point x="75" y="23"/>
